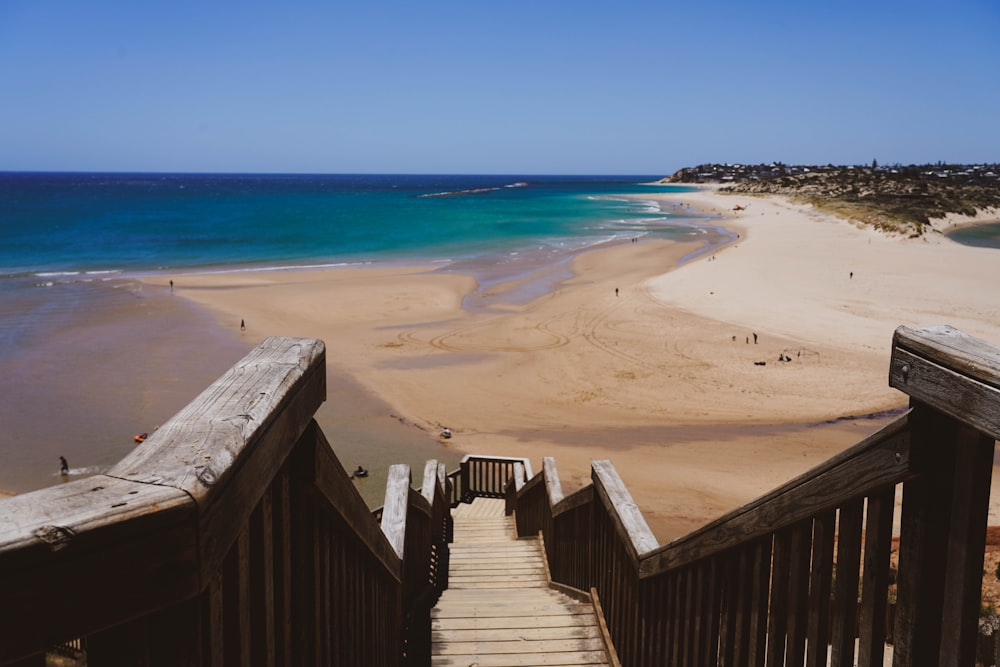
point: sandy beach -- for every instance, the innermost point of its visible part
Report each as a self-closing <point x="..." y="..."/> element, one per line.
<point x="633" y="358"/>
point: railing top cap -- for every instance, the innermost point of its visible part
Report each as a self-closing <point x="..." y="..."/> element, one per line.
<point x="952" y="349"/>
<point x="950" y="371"/>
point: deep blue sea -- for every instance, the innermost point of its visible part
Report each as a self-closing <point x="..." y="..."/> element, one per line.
<point x="79" y="333"/>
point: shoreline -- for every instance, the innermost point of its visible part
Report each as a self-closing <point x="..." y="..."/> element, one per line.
<point x="644" y="353"/>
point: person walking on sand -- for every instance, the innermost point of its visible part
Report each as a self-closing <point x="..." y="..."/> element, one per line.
<point x="63" y="466"/>
<point x="243" y="325"/>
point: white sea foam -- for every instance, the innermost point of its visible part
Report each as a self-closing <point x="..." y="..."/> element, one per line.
<point x="57" y="274"/>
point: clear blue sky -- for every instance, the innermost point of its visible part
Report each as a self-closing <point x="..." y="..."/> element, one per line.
<point x="614" y="87"/>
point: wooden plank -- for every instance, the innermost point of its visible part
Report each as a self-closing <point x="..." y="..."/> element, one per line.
<point x="966" y="546"/>
<point x="530" y="633"/>
<point x="553" y="488"/>
<point x="760" y="570"/>
<point x="578" y="498"/>
<point x="263" y="602"/>
<point x="213" y="611"/>
<point x="602" y="626"/>
<point x="195" y="449"/>
<point x="502" y="566"/>
<point x="875" y="579"/>
<point x="624" y="513"/>
<point x="429" y="486"/>
<point x="777" y="617"/>
<point x="949" y="347"/>
<point x="480" y="660"/>
<point x="505" y="623"/>
<point x="951" y="371"/>
<point x="924" y="535"/>
<point x="820" y="583"/>
<point x="879" y="460"/>
<point x="397" y="492"/>
<point x="236" y="603"/>
<point x="117" y="548"/>
<point x="845" y="602"/>
<point x="954" y="394"/>
<point x="247" y="422"/>
<point x="282" y="531"/>
<point x="518" y="644"/>
<point x="798" y="593"/>
<point x="742" y="605"/>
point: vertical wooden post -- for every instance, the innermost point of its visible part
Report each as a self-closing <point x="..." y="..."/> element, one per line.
<point x="966" y="546"/>
<point x="821" y="578"/>
<point x="845" y="604"/>
<point x="875" y="586"/>
<point x="943" y="536"/>
<point x="466" y="483"/>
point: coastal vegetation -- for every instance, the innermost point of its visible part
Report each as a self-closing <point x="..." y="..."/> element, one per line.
<point x="897" y="199"/>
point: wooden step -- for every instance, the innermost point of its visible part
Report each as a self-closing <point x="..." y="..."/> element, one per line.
<point x="499" y="609"/>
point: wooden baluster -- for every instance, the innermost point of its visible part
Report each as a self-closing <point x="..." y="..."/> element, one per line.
<point x="798" y="593"/>
<point x="777" y="617"/>
<point x="821" y="579"/>
<point x="875" y="584"/>
<point x="845" y="603"/>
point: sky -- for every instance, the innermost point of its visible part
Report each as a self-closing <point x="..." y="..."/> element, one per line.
<point x="540" y="87"/>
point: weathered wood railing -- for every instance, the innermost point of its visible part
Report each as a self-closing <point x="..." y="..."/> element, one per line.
<point x="483" y="477"/>
<point x="803" y="574"/>
<point x="232" y="536"/>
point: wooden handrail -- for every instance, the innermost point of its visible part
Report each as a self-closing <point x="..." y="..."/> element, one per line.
<point x="233" y="532"/>
<point x="880" y="460"/>
<point x="777" y="581"/>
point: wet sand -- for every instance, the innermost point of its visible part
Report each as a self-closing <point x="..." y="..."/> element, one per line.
<point x="126" y="357"/>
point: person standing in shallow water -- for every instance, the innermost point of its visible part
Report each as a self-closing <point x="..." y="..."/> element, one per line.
<point x="63" y="466"/>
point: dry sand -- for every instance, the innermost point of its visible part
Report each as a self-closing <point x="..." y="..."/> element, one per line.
<point x="636" y="360"/>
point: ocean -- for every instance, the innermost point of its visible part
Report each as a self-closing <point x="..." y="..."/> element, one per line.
<point x="90" y="357"/>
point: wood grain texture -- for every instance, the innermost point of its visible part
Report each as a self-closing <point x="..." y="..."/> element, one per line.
<point x="113" y="547"/>
<point x="879" y="460"/>
<point x="628" y="520"/>
<point x="950" y="371"/>
<point x="500" y="609"/>
<point x="225" y="447"/>
<point x="553" y="487"/>
<point x="397" y="492"/>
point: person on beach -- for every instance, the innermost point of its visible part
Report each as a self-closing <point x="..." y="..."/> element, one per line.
<point x="616" y="291"/>
<point x="63" y="466"/>
<point x="243" y="325"/>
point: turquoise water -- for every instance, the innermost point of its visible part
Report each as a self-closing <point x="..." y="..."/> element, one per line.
<point x="66" y="223"/>
<point x="90" y="356"/>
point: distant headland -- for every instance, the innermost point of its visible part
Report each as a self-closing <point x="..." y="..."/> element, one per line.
<point x="892" y="198"/>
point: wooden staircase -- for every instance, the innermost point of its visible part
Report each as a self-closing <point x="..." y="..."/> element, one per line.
<point x="499" y="608"/>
